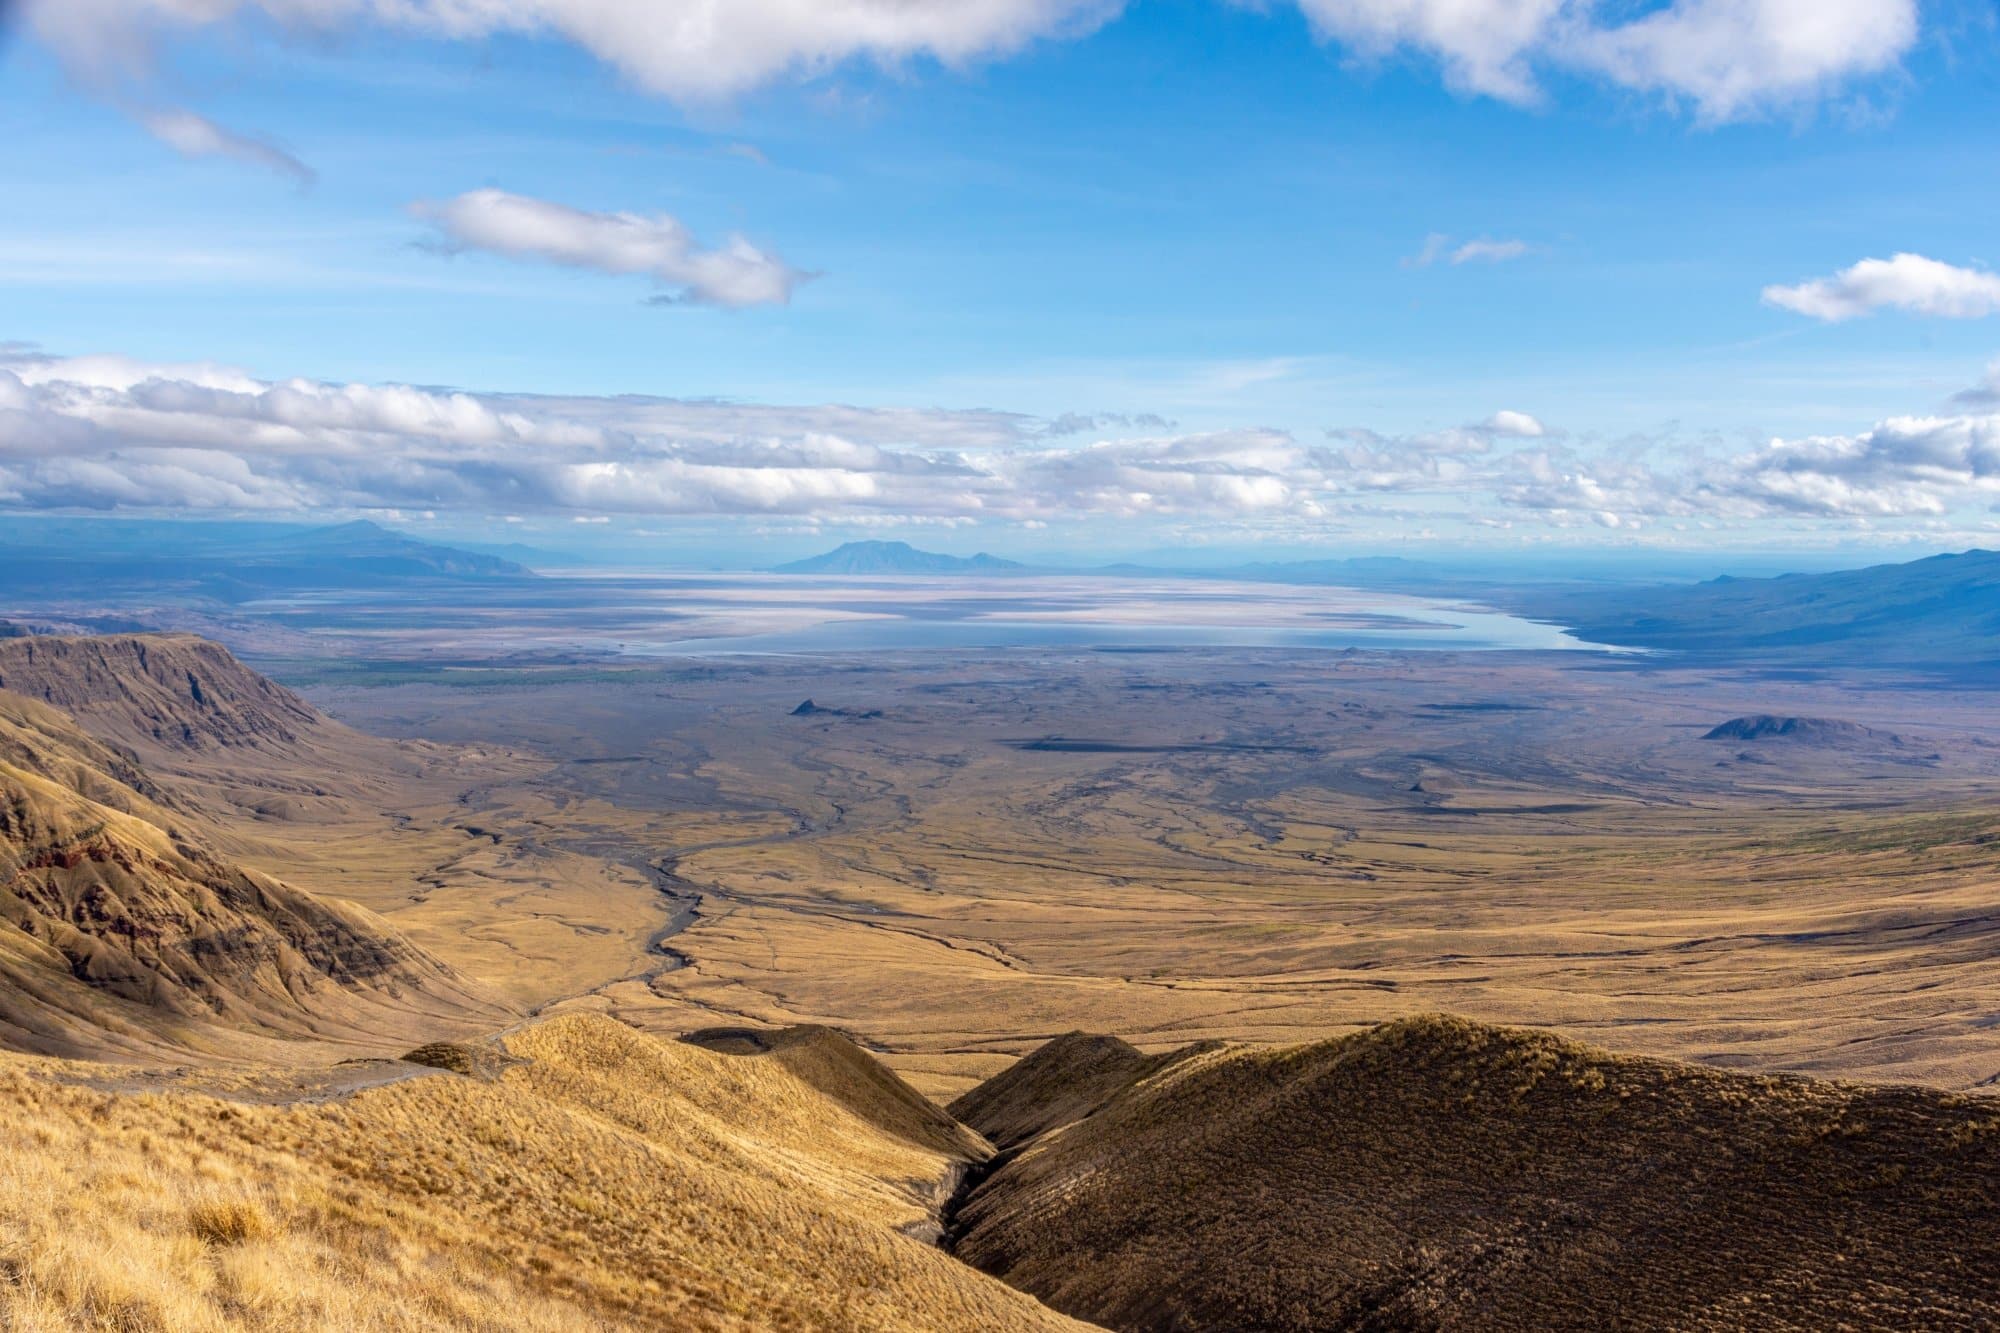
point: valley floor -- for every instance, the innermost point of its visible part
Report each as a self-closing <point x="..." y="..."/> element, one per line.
<point x="962" y="857"/>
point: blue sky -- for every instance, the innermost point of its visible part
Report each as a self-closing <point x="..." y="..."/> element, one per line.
<point x="1181" y="273"/>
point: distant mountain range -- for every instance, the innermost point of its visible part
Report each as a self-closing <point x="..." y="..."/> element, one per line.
<point x="1942" y="610"/>
<point x="897" y="558"/>
<point x="96" y="559"/>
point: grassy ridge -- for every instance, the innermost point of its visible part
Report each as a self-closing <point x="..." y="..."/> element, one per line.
<point x="1434" y="1172"/>
<point x="602" y="1178"/>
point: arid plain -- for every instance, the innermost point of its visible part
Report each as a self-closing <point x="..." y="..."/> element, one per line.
<point x="956" y="857"/>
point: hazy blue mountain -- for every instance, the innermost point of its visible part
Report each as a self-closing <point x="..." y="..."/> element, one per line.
<point x="103" y="560"/>
<point x="1944" y="609"/>
<point x="897" y="558"/>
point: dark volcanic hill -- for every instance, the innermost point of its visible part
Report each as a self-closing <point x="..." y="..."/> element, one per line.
<point x="1436" y="1173"/>
<point x="1944" y="610"/>
<point x="896" y="558"/>
<point x="1800" y="730"/>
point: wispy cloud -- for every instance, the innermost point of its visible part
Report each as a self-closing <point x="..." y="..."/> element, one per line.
<point x="1439" y="248"/>
<point x="1905" y="281"/>
<point x="193" y="135"/>
<point x="734" y="274"/>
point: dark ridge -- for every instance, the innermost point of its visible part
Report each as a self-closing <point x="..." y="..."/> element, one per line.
<point x="1804" y="730"/>
<point x="897" y="558"/>
<point x="1437" y="1173"/>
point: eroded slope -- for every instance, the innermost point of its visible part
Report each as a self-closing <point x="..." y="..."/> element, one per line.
<point x="122" y="931"/>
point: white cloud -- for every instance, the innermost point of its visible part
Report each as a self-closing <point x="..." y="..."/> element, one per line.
<point x="1731" y="58"/>
<point x="1904" y="282"/>
<point x="107" y="432"/>
<point x="193" y="135"/>
<point x="693" y="50"/>
<point x="1520" y="424"/>
<point x="1726" y="58"/>
<point x="1904" y="466"/>
<point x="735" y="273"/>
<point x="1485" y="46"/>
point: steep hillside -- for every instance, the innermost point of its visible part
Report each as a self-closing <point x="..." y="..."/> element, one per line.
<point x="123" y="932"/>
<point x="1058" y="1083"/>
<point x="857" y="1080"/>
<point x="1438" y="1173"/>
<point x="599" y="1179"/>
<point x="171" y="690"/>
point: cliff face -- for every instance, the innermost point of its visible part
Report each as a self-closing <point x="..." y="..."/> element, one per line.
<point x="170" y="690"/>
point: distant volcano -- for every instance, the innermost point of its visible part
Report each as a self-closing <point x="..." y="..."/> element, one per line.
<point x="897" y="558"/>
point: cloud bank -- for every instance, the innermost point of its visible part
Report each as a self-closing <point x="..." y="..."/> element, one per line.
<point x="108" y="433"/>
<point x="734" y="274"/>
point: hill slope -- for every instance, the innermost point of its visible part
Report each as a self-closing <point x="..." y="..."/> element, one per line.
<point x="1057" y="1084"/>
<point x="1945" y="609"/>
<point x="1438" y="1173"/>
<point x="123" y="931"/>
<point x="896" y="558"/>
<point x="176" y="691"/>
<point x="599" y="1179"/>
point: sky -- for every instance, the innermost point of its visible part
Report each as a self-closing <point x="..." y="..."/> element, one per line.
<point x="730" y="277"/>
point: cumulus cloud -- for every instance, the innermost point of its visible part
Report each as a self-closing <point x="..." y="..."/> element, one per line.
<point x="1984" y="394"/>
<point x="1725" y="58"/>
<point x="735" y="273"/>
<point x="193" y="135"/>
<point x="692" y="50"/>
<point x="1505" y="422"/>
<point x="1078" y="423"/>
<point x="1734" y="57"/>
<point x="1484" y="46"/>
<point x="1904" y="282"/>
<point x="109" y="432"/>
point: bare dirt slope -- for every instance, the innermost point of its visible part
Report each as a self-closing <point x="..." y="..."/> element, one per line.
<point x="1434" y="1172"/>
<point x="594" y="1178"/>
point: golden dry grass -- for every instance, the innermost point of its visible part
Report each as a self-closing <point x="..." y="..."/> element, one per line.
<point x="603" y="1179"/>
